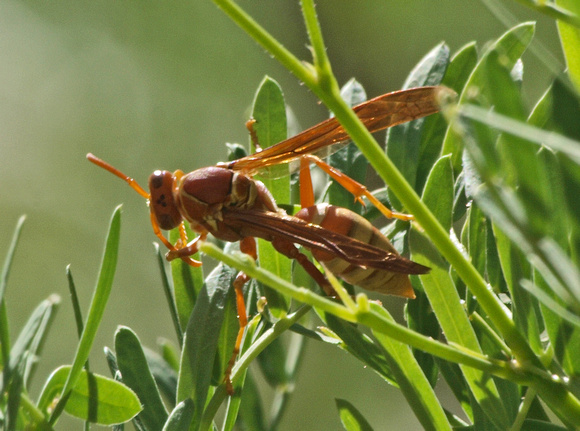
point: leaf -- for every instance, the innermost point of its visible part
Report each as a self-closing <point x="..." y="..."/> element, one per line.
<point x="515" y="267"/>
<point x="25" y="351"/>
<point x="136" y="374"/>
<point x="570" y="39"/>
<point x="269" y="112"/>
<point x="165" y="376"/>
<point x="360" y="346"/>
<point x="435" y="126"/>
<point x="10" y="257"/>
<point x="351" y="418"/>
<point x="509" y="47"/>
<point x="252" y="331"/>
<point x="180" y="417"/>
<point x="199" y="347"/>
<point x="420" y="318"/>
<point x="349" y="160"/>
<point x="93" y="398"/>
<point x="446" y="304"/>
<point x="438" y="192"/>
<point x="409" y="376"/>
<point x="272" y="361"/>
<point x="97" y="307"/>
<point x="187" y="282"/>
<point x="404" y="142"/>
<point x="251" y="412"/>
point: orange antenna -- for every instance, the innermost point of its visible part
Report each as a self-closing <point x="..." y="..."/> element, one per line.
<point x="134" y="185"/>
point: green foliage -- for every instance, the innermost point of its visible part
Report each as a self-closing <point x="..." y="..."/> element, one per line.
<point x="493" y="187"/>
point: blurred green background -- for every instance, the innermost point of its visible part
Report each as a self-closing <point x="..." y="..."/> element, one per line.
<point x="163" y="85"/>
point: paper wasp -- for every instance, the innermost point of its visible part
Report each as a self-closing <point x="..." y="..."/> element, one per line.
<point x="227" y="202"/>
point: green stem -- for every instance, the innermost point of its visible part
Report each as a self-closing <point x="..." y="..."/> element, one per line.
<point x="364" y="315"/>
<point x="267" y="41"/>
<point x="244" y="362"/>
<point x="553" y="11"/>
<point x="325" y="77"/>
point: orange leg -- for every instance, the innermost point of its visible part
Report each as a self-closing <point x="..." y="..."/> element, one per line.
<point x="289" y="250"/>
<point x="306" y="187"/>
<point x="248" y="246"/>
<point x="187" y="250"/>
<point x="185" y="257"/>
<point x="253" y="136"/>
<point x="357" y="189"/>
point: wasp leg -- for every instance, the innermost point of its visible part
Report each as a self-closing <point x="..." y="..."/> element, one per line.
<point x="248" y="246"/>
<point x="306" y="187"/>
<point x="357" y="189"/>
<point x="253" y="135"/>
<point x="289" y="250"/>
<point x="186" y="251"/>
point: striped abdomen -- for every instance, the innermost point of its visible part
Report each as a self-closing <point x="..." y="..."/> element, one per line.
<point x="348" y="223"/>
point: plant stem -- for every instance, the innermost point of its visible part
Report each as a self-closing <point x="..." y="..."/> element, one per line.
<point x="366" y="316"/>
<point x="244" y="362"/>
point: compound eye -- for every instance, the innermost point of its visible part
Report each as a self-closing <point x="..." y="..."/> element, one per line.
<point x="162" y="201"/>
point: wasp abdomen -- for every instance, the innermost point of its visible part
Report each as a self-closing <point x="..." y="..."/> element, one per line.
<point x="348" y="223"/>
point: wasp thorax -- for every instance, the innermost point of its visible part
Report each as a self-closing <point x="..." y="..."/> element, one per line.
<point x="210" y="185"/>
<point x="162" y="200"/>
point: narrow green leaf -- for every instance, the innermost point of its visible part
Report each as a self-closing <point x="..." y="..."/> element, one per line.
<point x="438" y="192"/>
<point x="349" y="159"/>
<point x="251" y="413"/>
<point x="458" y="385"/>
<point x="251" y="333"/>
<point x="515" y="268"/>
<point x="230" y="327"/>
<point x="405" y="143"/>
<point x="360" y="346"/>
<point x="26" y="348"/>
<point x="420" y="318"/>
<point x="10" y="257"/>
<point x="199" y="346"/>
<point x="165" y="376"/>
<point x="14" y="398"/>
<point x="169" y="294"/>
<point x="269" y="112"/>
<point x="446" y="303"/>
<point x="510" y="48"/>
<point x="75" y="301"/>
<point x="570" y="39"/>
<point x="456" y="75"/>
<point x="351" y="418"/>
<point x="136" y="374"/>
<point x="474" y="238"/>
<point x="180" y="417"/>
<point x="520" y="164"/>
<point x="94" y="398"/>
<point x="187" y="280"/>
<point x="282" y="395"/>
<point x="535" y="425"/>
<point x="169" y="353"/>
<point x="272" y="361"/>
<point x="565" y="113"/>
<point x="438" y="195"/>
<point x="4" y="327"/>
<point x="97" y="308"/>
<point x="461" y="67"/>
<point x="414" y="385"/>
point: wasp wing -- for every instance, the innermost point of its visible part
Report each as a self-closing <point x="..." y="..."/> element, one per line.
<point x="376" y="114"/>
<point x="271" y="225"/>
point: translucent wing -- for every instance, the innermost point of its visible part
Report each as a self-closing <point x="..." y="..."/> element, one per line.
<point x="376" y="114"/>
